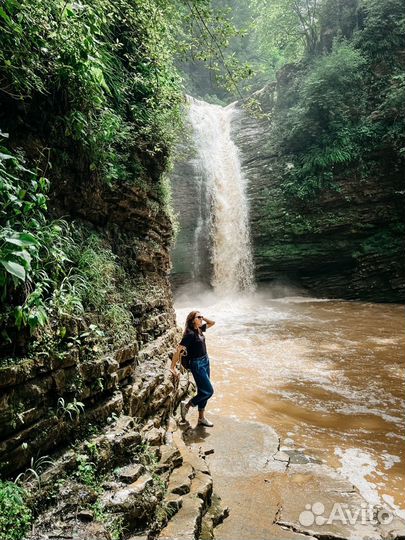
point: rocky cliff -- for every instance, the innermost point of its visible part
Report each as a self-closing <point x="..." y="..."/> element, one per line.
<point x="89" y="109"/>
<point x="89" y="428"/>
<point x="191" y="252"/>
<point x="342" y="244"/>
<point x="70" y="422"/>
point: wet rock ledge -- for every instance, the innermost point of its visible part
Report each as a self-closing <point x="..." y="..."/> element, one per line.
<point x="115" y="466"/>
<point x="132" y="481"/>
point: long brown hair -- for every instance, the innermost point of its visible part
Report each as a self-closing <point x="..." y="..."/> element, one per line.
<point x="189" y="326"/>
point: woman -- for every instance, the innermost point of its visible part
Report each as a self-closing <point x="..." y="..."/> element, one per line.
<point x="193" y="345"/>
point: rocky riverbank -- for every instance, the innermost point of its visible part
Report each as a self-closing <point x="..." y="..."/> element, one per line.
<point x="275" y="491"/>
<point x="147" y="484"/>
<point x="126" y="472"/>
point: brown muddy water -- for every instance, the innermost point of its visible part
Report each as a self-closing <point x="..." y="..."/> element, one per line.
<point x="326" y="375"/>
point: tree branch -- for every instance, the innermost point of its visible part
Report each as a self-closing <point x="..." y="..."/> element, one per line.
<point x="201" y="19"/>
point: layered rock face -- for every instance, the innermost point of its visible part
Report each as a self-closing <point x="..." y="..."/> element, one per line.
<point x="191" y="252"/>
<point x="36" y="392"/>
<point x="116" y="404"/>
<point x="345" y="244"/>
<point x="38" y="412"/>
<point x="342" y="244"/>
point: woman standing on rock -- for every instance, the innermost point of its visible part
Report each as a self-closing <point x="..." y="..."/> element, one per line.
<point x="193" y="346"/>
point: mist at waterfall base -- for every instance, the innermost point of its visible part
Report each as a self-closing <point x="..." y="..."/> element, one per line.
<point x="326" y="374"/>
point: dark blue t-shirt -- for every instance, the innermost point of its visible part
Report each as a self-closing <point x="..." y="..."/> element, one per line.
<point x="195" y="343"/>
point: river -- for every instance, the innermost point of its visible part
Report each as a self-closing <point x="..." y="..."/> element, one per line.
<point x="308" y="392"/>
<point x="327" y="375"/>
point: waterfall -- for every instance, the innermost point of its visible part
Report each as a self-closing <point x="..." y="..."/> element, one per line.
<point x="219" y="168"/>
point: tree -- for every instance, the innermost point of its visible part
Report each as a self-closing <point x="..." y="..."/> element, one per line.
<point x="291" y="26"/>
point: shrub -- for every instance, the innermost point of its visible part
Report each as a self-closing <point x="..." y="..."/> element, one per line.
<point x="15" y="515"/>
<point x="32" y="248"/>
<point x="105" y="74"/>
<point x="322" y="130"/>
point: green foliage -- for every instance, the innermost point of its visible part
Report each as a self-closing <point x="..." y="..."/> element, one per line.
<point x="37" y="466"/>
<point x="341" y="90"/>
<point x="389" y="117"/>
<point x="32" y="249"/>
<point x="39" y="281"/>
<point x="381" y="40"/>
<point x="261" y="37"/>
<point x="108" y="68"/>
<point x="337" y="19"/>
<point x="15" y="515"/>
<point x="321" y="131"/>
<point x="113" y="523"/>
<point x="208" y="33"/>
<point x="108" y="140"/>
<point x="52" y="273"/>
<point x="86" y="470"/>
<point x="108" y="292"/>
<point x="287" y="27"/>
<point x="344" y="106"/>
<point x="92" y="449"/>
<point x="381" y="36"/>
<point x="71" y="409"/>
<point x="288" y="252"/>
<point x="388" y="241"/>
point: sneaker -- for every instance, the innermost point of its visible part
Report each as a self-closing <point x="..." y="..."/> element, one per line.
<point x="184" y="407"/>
<point x="205" y="422"/>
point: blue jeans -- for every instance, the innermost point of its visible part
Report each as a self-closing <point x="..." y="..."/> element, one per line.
<point x="200" y="368"/>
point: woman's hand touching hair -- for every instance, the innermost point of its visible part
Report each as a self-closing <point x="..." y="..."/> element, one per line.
<point x="208" y="321"/>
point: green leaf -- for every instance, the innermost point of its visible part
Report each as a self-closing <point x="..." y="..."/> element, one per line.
<point x="14" y="269"/>
<point x="5" y="17"/>
<point x="99" y="77"/>
<point x="22" y="240"/>
<point x="37" y="317"/>
<point x="18" y="317"/>
<point x="5" y="156"/>
<point x="28" y="239"/>
<point x="25" y="256"/>
<point x="14" y="241"/>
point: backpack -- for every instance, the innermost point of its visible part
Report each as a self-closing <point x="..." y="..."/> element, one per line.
<point x="185" y="362"/>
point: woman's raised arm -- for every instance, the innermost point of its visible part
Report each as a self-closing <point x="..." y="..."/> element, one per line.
<point x="209" y="323"/>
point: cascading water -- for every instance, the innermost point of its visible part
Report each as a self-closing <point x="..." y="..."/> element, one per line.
<point x="219" y="167"/>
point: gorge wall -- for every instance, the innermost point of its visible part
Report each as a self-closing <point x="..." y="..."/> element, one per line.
<point x="190" y="253"/>
<point x="96" y="427"/>
<point x="54" y="407"/>
<point x="31" y="388"/>
<point x="342" y="244"/>
<point x="88" y="442"/>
